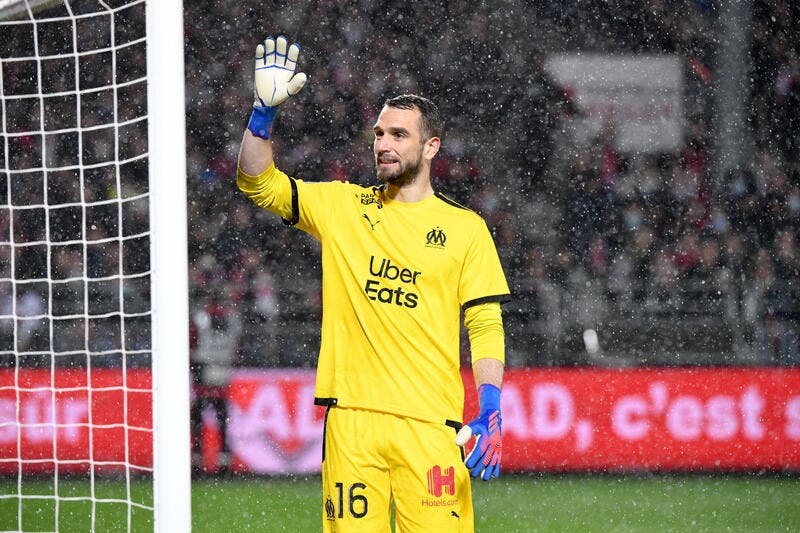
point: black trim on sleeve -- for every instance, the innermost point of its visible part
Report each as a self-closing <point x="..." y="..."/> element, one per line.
<point x="295" y="206"/>
<point x="450" y="201"/>
<point x="325" y="402"/>
<point x="499" y="298"/>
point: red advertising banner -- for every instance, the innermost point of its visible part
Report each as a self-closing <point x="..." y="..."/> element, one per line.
<point x="649" y="419"/>
<point x="553" y="419"/>
<point x="75" y="419"/>
<point x="565" y="419"/>
<point x="274" y="426"/>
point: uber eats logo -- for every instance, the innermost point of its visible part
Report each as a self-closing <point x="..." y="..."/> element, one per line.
<point x="393" y="283"/>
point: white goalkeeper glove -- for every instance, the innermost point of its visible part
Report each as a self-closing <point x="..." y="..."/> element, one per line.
<point x="275" y="81"/>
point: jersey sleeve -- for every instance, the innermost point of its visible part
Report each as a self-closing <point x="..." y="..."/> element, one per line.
<point x="316" y="205"/>
<point x="482" y="277"/>
<point x="272" y="190"/>
<point x="484" y="323"/>
<point x="309" y="206"/>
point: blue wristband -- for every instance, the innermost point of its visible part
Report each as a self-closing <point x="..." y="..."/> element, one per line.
<point x="261" y="121"/>
<point x="489" y="397"/>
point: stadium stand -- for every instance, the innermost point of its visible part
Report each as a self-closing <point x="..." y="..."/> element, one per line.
<point x="669" y="264"/>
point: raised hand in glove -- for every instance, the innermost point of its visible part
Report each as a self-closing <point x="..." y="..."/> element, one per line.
<point x="275" y="81"/>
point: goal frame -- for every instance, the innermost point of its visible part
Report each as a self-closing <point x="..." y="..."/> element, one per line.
<point x="169" y="265"/>
<point x="169" y="309"/>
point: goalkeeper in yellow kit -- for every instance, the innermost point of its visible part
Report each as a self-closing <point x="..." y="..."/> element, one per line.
<point x="400" y="265"/>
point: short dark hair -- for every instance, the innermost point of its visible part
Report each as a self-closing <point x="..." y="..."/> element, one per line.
<point x="431" y="119"/>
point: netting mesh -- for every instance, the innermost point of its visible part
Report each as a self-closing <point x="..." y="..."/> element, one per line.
<point x="75" y="342"/>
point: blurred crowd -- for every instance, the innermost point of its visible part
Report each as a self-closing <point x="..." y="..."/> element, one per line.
<point x="667" y="261"/>
<point x="668" y="264"/>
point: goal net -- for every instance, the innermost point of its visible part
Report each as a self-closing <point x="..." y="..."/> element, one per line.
<point x="94" y="430"/>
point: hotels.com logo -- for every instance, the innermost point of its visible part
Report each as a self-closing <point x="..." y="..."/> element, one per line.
<point x="441" y="482"/>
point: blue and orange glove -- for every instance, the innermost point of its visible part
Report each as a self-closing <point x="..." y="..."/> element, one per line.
<point x="275" y="81"/>
<point x="484" y="459"/>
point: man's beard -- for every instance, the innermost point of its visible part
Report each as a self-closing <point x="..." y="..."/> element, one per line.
<point x="404" y="176"/>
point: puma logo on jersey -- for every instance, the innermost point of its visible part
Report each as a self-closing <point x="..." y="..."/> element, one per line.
<point x="371" y="224"/>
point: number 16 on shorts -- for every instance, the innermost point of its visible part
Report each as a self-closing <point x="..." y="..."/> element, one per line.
<point x="346" y="499"/>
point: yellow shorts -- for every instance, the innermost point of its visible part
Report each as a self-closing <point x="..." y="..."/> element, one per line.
<point x="371" y="459"/>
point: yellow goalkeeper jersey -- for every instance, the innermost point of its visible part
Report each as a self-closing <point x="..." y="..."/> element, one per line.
<point x="395" y="279"/>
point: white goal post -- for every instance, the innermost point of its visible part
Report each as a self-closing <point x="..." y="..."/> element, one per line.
<point x="167" y="145"/>
<point x="94" y="348"/>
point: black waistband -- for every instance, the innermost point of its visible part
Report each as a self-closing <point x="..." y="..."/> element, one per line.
<point x="325" y="402"/>
<point x="328" y="402"/>
<point x="453" y="424"/>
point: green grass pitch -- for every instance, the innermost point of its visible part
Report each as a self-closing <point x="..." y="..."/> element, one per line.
<point x="514" y="503"/>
